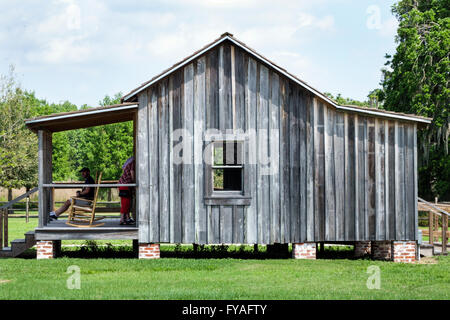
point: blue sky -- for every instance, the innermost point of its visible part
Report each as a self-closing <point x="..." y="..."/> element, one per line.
<point x="82" y="50"/>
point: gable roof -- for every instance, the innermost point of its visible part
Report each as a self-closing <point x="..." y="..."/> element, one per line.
<point x="129" y="97"/>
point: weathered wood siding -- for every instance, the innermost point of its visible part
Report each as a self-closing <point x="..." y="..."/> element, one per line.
<point x="334" y="176"/>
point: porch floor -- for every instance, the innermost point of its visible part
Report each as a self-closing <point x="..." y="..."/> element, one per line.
<point x="111" y="230"/>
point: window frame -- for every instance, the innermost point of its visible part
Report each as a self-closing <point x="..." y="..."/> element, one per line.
<point x="226" y="197"/>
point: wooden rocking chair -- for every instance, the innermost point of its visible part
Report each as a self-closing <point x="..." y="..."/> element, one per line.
<point x="84" y="216"/>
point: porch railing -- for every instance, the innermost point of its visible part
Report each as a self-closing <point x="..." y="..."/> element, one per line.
<point x="75" y="185"/>
<point x="4" y="212"/>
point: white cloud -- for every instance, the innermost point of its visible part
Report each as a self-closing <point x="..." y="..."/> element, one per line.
<point x="67" y="17"/>
<point x="326" y="23"/>
<point x="307" y="20"/>
<point x="61" y="50"/>
<point x="389" y="27"/>
<point x="294" y="62"/>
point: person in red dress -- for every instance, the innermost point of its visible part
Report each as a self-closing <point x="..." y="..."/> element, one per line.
<point x="128" y="176"/>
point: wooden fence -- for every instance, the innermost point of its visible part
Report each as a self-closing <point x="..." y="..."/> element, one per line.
<point x="436" y="211"/>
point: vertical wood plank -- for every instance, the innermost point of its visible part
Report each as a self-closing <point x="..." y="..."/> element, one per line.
<point x="310" y="171"/>
<point x="239" y="72"/>
<point x="263" y="153"/>
<point x="188" y="195"/>
<point x="409" y="183"/>
<point x="274" y="139"/>
<point x="142" y="174"/>
<point x="238" y="224"/>
<point x="392" y="174"/>
<point x="361" y="154"/>
<point x="171" y="164"/>
<point x="294" y="151"/>
<point x="379" y="181"/>
<point x="370" y="180"/>
<point x="349" y="124"/>
<point x="214" y="226"/>
<point x="233" y="85"/>
<point x="250" y="105"/>
<point x="366" y="180"/>
<point x="199" y="120"/>
<point x="177" y="170"/>
<point x="319" y="172"/>
<point x="154" y="165"/>
<point x="164" y="164"/>
<point x="212" y="90"/>
<point x="210" y="222"/>
<point x="330" y="201"/>
<point x="302" y="118"/>
<point x="339" y="160"/>
<point x="225" y="105"/>
<point x="284" y="162"/>
<point x="226" y="224"/>
<point x="399" y="185"/>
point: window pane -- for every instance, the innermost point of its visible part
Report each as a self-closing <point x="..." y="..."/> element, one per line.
<point x="218" y="154"/>
<point x="218" y="179"/>
<point x="227" y="179"/>
<point x="228" y="153"/>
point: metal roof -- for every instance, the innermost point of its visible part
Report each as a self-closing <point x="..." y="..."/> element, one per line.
<point x="84" y="118"/>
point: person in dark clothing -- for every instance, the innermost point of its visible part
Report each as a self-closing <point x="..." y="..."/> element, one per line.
<point x="86" y="193"/>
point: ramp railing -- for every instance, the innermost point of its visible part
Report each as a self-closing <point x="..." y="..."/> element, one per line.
<point x="435" y="211"/>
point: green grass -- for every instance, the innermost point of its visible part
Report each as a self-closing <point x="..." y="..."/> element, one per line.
<point x="212" y="272"/>
<point x="184" y="278"/>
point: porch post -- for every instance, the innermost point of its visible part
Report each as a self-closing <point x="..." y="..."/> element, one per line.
<point x="44" y="175"/>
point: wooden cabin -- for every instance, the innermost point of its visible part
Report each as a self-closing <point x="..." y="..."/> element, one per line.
<point x="233" y="149"/>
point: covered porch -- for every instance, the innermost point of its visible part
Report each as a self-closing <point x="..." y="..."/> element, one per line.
<point x="58" y="229"/>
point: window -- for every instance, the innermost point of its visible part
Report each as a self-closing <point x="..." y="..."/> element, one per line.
<point x="225" y="182"/>
<point x="227" y="166"/>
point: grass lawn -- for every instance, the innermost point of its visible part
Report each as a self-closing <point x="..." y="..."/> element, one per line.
<point x="184" y="278"/>
<point x="213" y="272"/>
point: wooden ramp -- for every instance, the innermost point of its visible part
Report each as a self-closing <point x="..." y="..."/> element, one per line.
<point x="437" y="212"/>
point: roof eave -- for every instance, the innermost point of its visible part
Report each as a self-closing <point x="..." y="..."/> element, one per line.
<point x="35" y="123"/>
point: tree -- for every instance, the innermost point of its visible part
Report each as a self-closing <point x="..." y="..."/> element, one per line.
<point x="376" y="98"/>
<point x="339" y="99"/>
<point x="104" y="148"/>
<point x="416" y="80"/>
<point x="18" y="145"/>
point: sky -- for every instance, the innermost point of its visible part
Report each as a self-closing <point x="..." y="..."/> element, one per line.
<point x="81" y="51"/>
